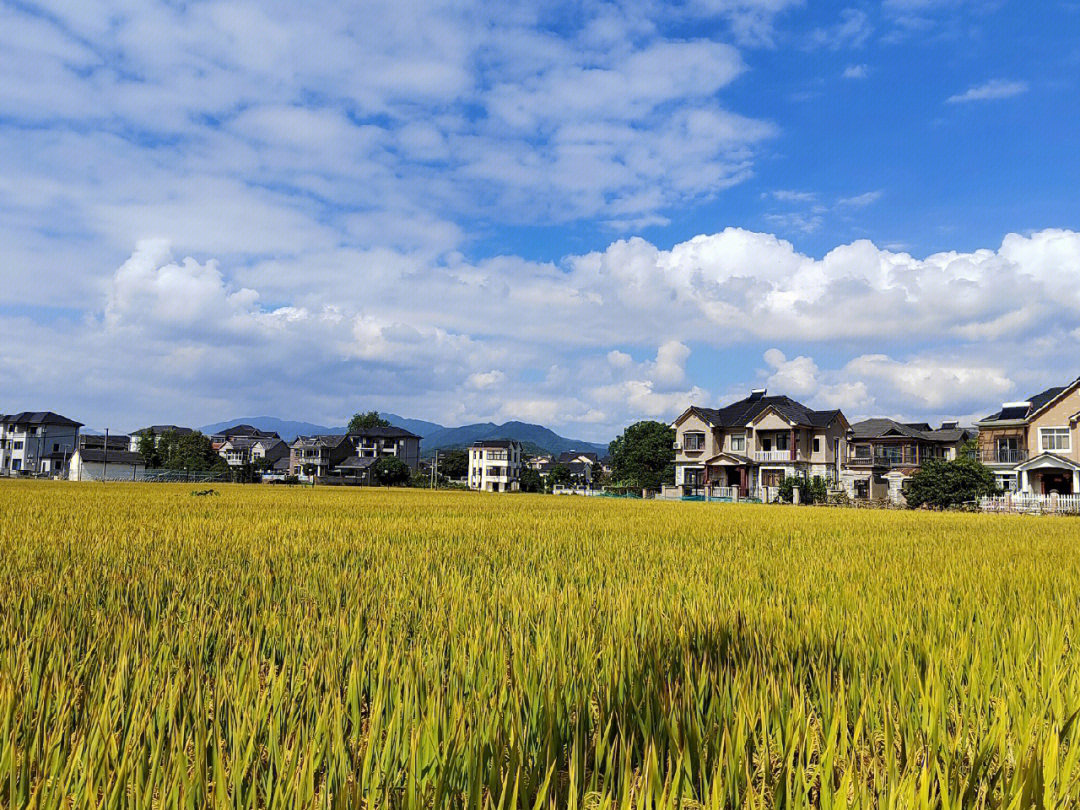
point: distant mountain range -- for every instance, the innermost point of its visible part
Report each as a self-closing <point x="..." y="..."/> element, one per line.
<point x="535" y="438"/>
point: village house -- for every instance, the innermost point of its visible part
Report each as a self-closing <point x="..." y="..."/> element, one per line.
<point x="749" y="447"/>
<point x="316" y="457"/>
<point x="106" y="458"/>
<point x="495" y="465"/>
<point x="1032" y="446"/>
<point x="37" y="443"/>
<point x="236" y="444"/>
<point x="883" y="454"/>
<point x="387" y="442"/>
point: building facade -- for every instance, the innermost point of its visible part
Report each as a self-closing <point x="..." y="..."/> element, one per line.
<point x="1033" y="446"/>
<point x="883" y="454"/>
<point x="495" y="465"/>
<point x="37" y="443"/>
<point x="754" y="444"/>
<point x="387" y="442"/>
<point x="316" y="457"/>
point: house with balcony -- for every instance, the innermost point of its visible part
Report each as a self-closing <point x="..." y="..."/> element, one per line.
<point x="37" y="443"/>
<point x="495" y="465"/>
<point x="752" y="445"/>
<point x="1033" y="445"/>
<point x="315" y="457"/>
<point x="883" y="454"/>
<point x="387" y="442"/>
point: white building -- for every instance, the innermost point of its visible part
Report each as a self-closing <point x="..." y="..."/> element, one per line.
<point x="99" y="464"/>
<point x="37" y="443"/>
<point x="495" y="465"/>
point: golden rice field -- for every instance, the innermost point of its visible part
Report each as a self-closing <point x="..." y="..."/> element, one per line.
<point x="298" y="648"/>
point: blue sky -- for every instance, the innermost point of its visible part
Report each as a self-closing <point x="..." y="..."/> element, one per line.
<point x="580" y="214"/>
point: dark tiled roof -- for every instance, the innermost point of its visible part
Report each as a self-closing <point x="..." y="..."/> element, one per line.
<point x="496" y="443"/>
<point x="1038" y="402"/>
<point x="39" y="418"/>
<point x="324" y="440"/>
<point x="356" y="463"/>
<point x="570" y="456"/>
<point x="882" y="428"/>
<point x="97" y="454"/>
<point x="120" y="442"/>
<point x="157" y="430"/>
<point x="248" y="431"/>
<point x="389" y="432"/>
<point x="740" y="413"/>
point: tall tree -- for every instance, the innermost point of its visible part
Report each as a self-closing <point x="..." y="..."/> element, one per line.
<point x="363" y="421"/>
<point x="454" y="464"/>
<point x="148" y="450"/>
<point x="188" y="451"/>
<point x="643" y="456"/>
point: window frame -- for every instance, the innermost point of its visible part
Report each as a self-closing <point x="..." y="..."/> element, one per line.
<point x="1059" y="432"/>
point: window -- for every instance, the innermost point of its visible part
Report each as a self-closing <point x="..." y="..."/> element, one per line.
<point x="1007" y="482"/>
<point x="693" y="441"/>
<point x="782" y="441"/>
<point x="862" y="451"/>
<point x="1054" y="439"/>
<point x="817" y="444"/>
<point x="738" y="442"/>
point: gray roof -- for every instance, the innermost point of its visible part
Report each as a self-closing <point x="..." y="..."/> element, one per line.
<point x="738" y="414"/>
<point x="505" y="443"/>
<point x="39" y="418"/>
<point x="356" y="463"/>
<point x="157" y="430"/>
<point x="881" y="428"/>
<point x="1037" y="403"/>
<point x="118" y="441"/>
<point x="97" y="454"/>
<point x="570" y="456"/>
<point x="248" y="431"/>
<point x="384" y="432"/>
<point x="322" y="440"/>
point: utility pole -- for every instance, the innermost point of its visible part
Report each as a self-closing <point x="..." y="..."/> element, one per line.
<point x="105" y="466"/>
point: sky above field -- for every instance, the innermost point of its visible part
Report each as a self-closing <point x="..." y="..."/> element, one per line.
<point x="582" y="214"/>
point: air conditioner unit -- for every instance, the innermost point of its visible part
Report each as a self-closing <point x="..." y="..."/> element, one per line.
<point x="676" y="446"/>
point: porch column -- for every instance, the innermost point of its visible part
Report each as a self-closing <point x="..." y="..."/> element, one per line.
<point x="1076" y="482"/>
<point x="743" y="489"/>
<point x="1023" y="481"/>
<point x="794" y="453"/>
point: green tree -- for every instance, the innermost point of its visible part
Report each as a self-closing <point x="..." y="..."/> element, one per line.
<point x="530" y="481"/>
<point x="148" y="450"/>
<point x="558" y="475"/>
<point x="941" y="484"/>
<point x="189" y="451"/>
<point x="363" y="421"/>
<point x="454" y="464"/>
<point x="811" y="490"/>
<point x="643" y="456"/>
<point x="390" y="472"/>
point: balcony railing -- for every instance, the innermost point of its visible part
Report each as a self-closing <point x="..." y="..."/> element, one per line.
<point x="772" y="455"/>
<point x="1003" y="455"/>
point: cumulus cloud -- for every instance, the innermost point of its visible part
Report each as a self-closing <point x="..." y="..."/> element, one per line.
<point x="860" y="71"/>
<point x="579" y="341"/>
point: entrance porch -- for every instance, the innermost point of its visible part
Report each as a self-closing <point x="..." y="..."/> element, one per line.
<point x="1049" y="474"/>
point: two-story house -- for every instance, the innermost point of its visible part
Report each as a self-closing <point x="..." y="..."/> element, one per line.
<point x="883" y="454"/>
<point x="1033" y="446"/>
<point x="387" y="442"/>
<point x="37" y="443"/>
<point x="315" y="457"/>
<point x="755" y="443"/>
<point x="495" y="465"/>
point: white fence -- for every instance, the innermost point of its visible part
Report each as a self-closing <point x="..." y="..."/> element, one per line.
<point x="1032" y="504"/>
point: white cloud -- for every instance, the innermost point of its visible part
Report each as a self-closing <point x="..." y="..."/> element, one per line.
<point x="852" y="30"/>
<point x="860" y="71"/>
<point x="991" y="90"/>
<point x="860" y="200"/>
